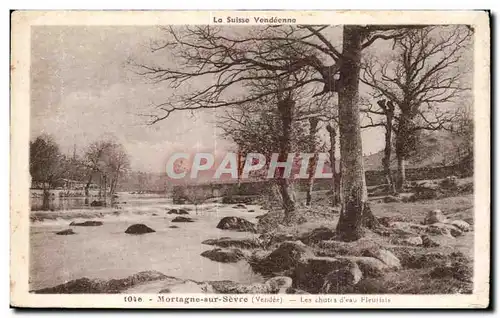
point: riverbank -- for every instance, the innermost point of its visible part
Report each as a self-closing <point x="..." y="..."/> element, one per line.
<point x="405" y="256"/>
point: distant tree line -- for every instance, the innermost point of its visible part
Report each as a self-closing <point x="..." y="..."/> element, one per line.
<point x="106" y="160"/>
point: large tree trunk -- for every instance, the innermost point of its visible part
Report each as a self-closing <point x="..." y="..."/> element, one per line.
<point x="401" y="173"/>
<point x="313" y="126"/>
<point x="286" y="108"/>
<point x="87" y="186"/>
<point x="46" y="199"/>
<point x="355" y="210"/>
<point x="404" y="144"/>
<point x="332" y="131"/>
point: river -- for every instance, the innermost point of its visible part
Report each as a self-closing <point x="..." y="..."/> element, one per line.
<point x="107" y="252"/>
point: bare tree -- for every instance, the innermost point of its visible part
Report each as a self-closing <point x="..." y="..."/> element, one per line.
<point x="108" y="159"/>
<point x="386" y="111"/>
<point x="228" y="61"/>
<point x="426" y="71"/>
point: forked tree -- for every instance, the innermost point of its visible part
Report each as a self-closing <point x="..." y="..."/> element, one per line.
<point x="423" y="80"/>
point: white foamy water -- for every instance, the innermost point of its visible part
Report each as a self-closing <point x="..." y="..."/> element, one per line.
<point x="107" y="252"/>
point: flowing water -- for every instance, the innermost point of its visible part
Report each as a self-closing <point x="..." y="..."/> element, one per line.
<point x="107" y="252"/>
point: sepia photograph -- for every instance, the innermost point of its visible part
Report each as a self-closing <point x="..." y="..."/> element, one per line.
<point x="251" y="153"/>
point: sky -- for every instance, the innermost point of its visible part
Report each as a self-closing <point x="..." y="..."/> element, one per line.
<point x="82" y="89"/>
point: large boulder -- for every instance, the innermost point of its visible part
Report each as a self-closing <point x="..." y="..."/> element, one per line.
<point x="230" y="242"/>
<point x="86" y="223"/>
<point x="139" y="229"/>
<point x="408" y="240"/>
<point x="236" y="224"/>
<point x="427" y="241"/>
<point x="66" y="232"/>
<point x="224" y="255"/>
<point x="444" y="229"/>
<point x="461" y="225"/>
<point x="435" y="216"/>
<point x="286" y="257"/>
<point x="270" y="239"/>
<point x="182" y="219"/>
<point x="317" y="235"/>
<point x="279" y="284"/>
<point x="387" y="257"/>
<point x="326" y="275"/>
<point x="369" y="266"/>
<point x="178" y="211"/>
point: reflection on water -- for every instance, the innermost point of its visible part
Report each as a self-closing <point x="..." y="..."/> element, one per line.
<point x="107" y="252"/>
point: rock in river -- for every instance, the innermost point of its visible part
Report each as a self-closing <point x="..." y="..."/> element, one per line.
<point x="224" y="255"/>
<point x="178" y="211"/>
<point x="66" y="232"/>
<point x="86" y="223"/>
<point x="139" y="229"/>
<point x="236" y="224"/>
<point x="230" y="242"/>
<point x="182" y="219"/>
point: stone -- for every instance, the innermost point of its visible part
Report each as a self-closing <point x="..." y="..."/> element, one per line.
<point x="285" y="257"/>
<point x="387" y="257"/>
<point x="270" y="239"/>
<point x="461" y="225"/>
<point x="279" y="284"/>
<point x="86" y="223"/>
<point x="326" y="275"/>
<point x="435" y="216"/>
<point x="408" y="227"/>
<point x="224" y="255"/>
<point x="409" y="240"/>
<point x="251" y="211"/>
<point x="369" y="266"/>
<point x="178" y="211"/>
<point x="239" y="206"/>
<point x="450" y="182"/>
<point x="236" y="224"/>
<point x="173" y="227"/>
<point x="139" y="229"/>
<point x="182" y="219"/>
<point x="230" y="242"/>
<point x="317" y="235"/>
<point x="444" y="229"/>
<point x="341" y="279"/>
<point x="66" y="232"/>
<point x="429" y="242"/>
